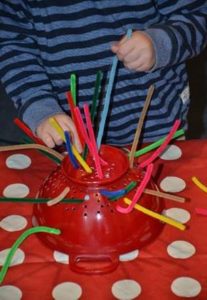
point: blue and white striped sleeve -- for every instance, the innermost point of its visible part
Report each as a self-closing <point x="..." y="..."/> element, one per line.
<point x="182" y="32"/>
<point x="21" y="70"/>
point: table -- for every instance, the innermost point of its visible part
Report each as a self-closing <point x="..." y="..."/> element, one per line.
<point x="173" y="267"/>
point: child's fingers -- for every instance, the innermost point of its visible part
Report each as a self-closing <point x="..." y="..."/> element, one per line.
<point x="67" y="125"/>
<point x="126" y="46"/>
<point x="124" y="49"/>
<point x="136" y="66"/>
<point x="74" y="134"/>
<point x="116" y="45"/>
<point x="137" y="53"/>
<point x="143" y="61"/>
<point x="48" y="140"/>
<point x="132" y="56"/>
<point x="50" y="137"/>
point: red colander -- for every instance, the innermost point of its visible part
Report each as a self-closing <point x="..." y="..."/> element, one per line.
<point x="93" y="232"/>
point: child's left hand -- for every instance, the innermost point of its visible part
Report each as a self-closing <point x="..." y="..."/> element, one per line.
<point x="137" y="52"/>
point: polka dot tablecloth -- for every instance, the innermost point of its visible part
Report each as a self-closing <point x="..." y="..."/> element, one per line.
<point x="173" y="267"/>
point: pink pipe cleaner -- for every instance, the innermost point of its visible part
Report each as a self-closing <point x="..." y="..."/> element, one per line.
<point x="93" y="141"/>
<point x="139" y="191"/>
<point x="87" y="139"/>
<point x="82" y="127"/>
<point x="162" y="147"/>
<point x="201" y="211"/>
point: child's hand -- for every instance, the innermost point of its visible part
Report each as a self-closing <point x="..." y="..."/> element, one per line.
<point x="50" y="136"/>
<point x="137" y="53"/>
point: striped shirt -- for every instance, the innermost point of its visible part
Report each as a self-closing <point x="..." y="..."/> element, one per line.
<point x="43" y="42"/>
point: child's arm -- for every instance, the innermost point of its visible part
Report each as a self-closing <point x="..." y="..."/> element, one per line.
<point x="51" y="137"/>
<point x="22" y="71"/>
<point x="179" y="34"/>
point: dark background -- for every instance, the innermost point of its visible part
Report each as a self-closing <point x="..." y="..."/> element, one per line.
<point x="197" y="117"/>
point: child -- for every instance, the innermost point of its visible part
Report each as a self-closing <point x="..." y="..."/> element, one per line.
<point x="43" y="42"/>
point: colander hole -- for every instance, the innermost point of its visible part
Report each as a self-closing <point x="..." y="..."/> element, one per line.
<point x="85" y="215"/>
<point x="112" y="211"/>
<point x="107" y="175"/>
<point x="98" y="198"/>
<point x="85" y="206"/>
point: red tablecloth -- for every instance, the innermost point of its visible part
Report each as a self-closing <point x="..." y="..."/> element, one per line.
<point x="173" y="267"/>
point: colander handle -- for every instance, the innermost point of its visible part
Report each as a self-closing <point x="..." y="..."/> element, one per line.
<point x="93" y="264"/>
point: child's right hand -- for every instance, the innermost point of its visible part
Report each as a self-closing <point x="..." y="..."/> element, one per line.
<point x="50" y="136"/>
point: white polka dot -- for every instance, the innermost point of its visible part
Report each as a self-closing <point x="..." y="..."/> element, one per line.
<point x="172" y="152"/>
<point x="16" y="190"/>
<point x="87" y="197"/>
<point x="13" y="223"/>
<point x="18" y="161"/>
<point x="179" y="214"/>
<point x="129" y="256"/>
<point x="186" y="287"/>
<point x="172" y="184"/>
<point x="8" y="292"/>
<point x="61" y="257"/>
<point x="17" y="259"/>
<point x="181" y="249"/>
<point x="126" y="289"/>
<point x="67" y="291"/>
